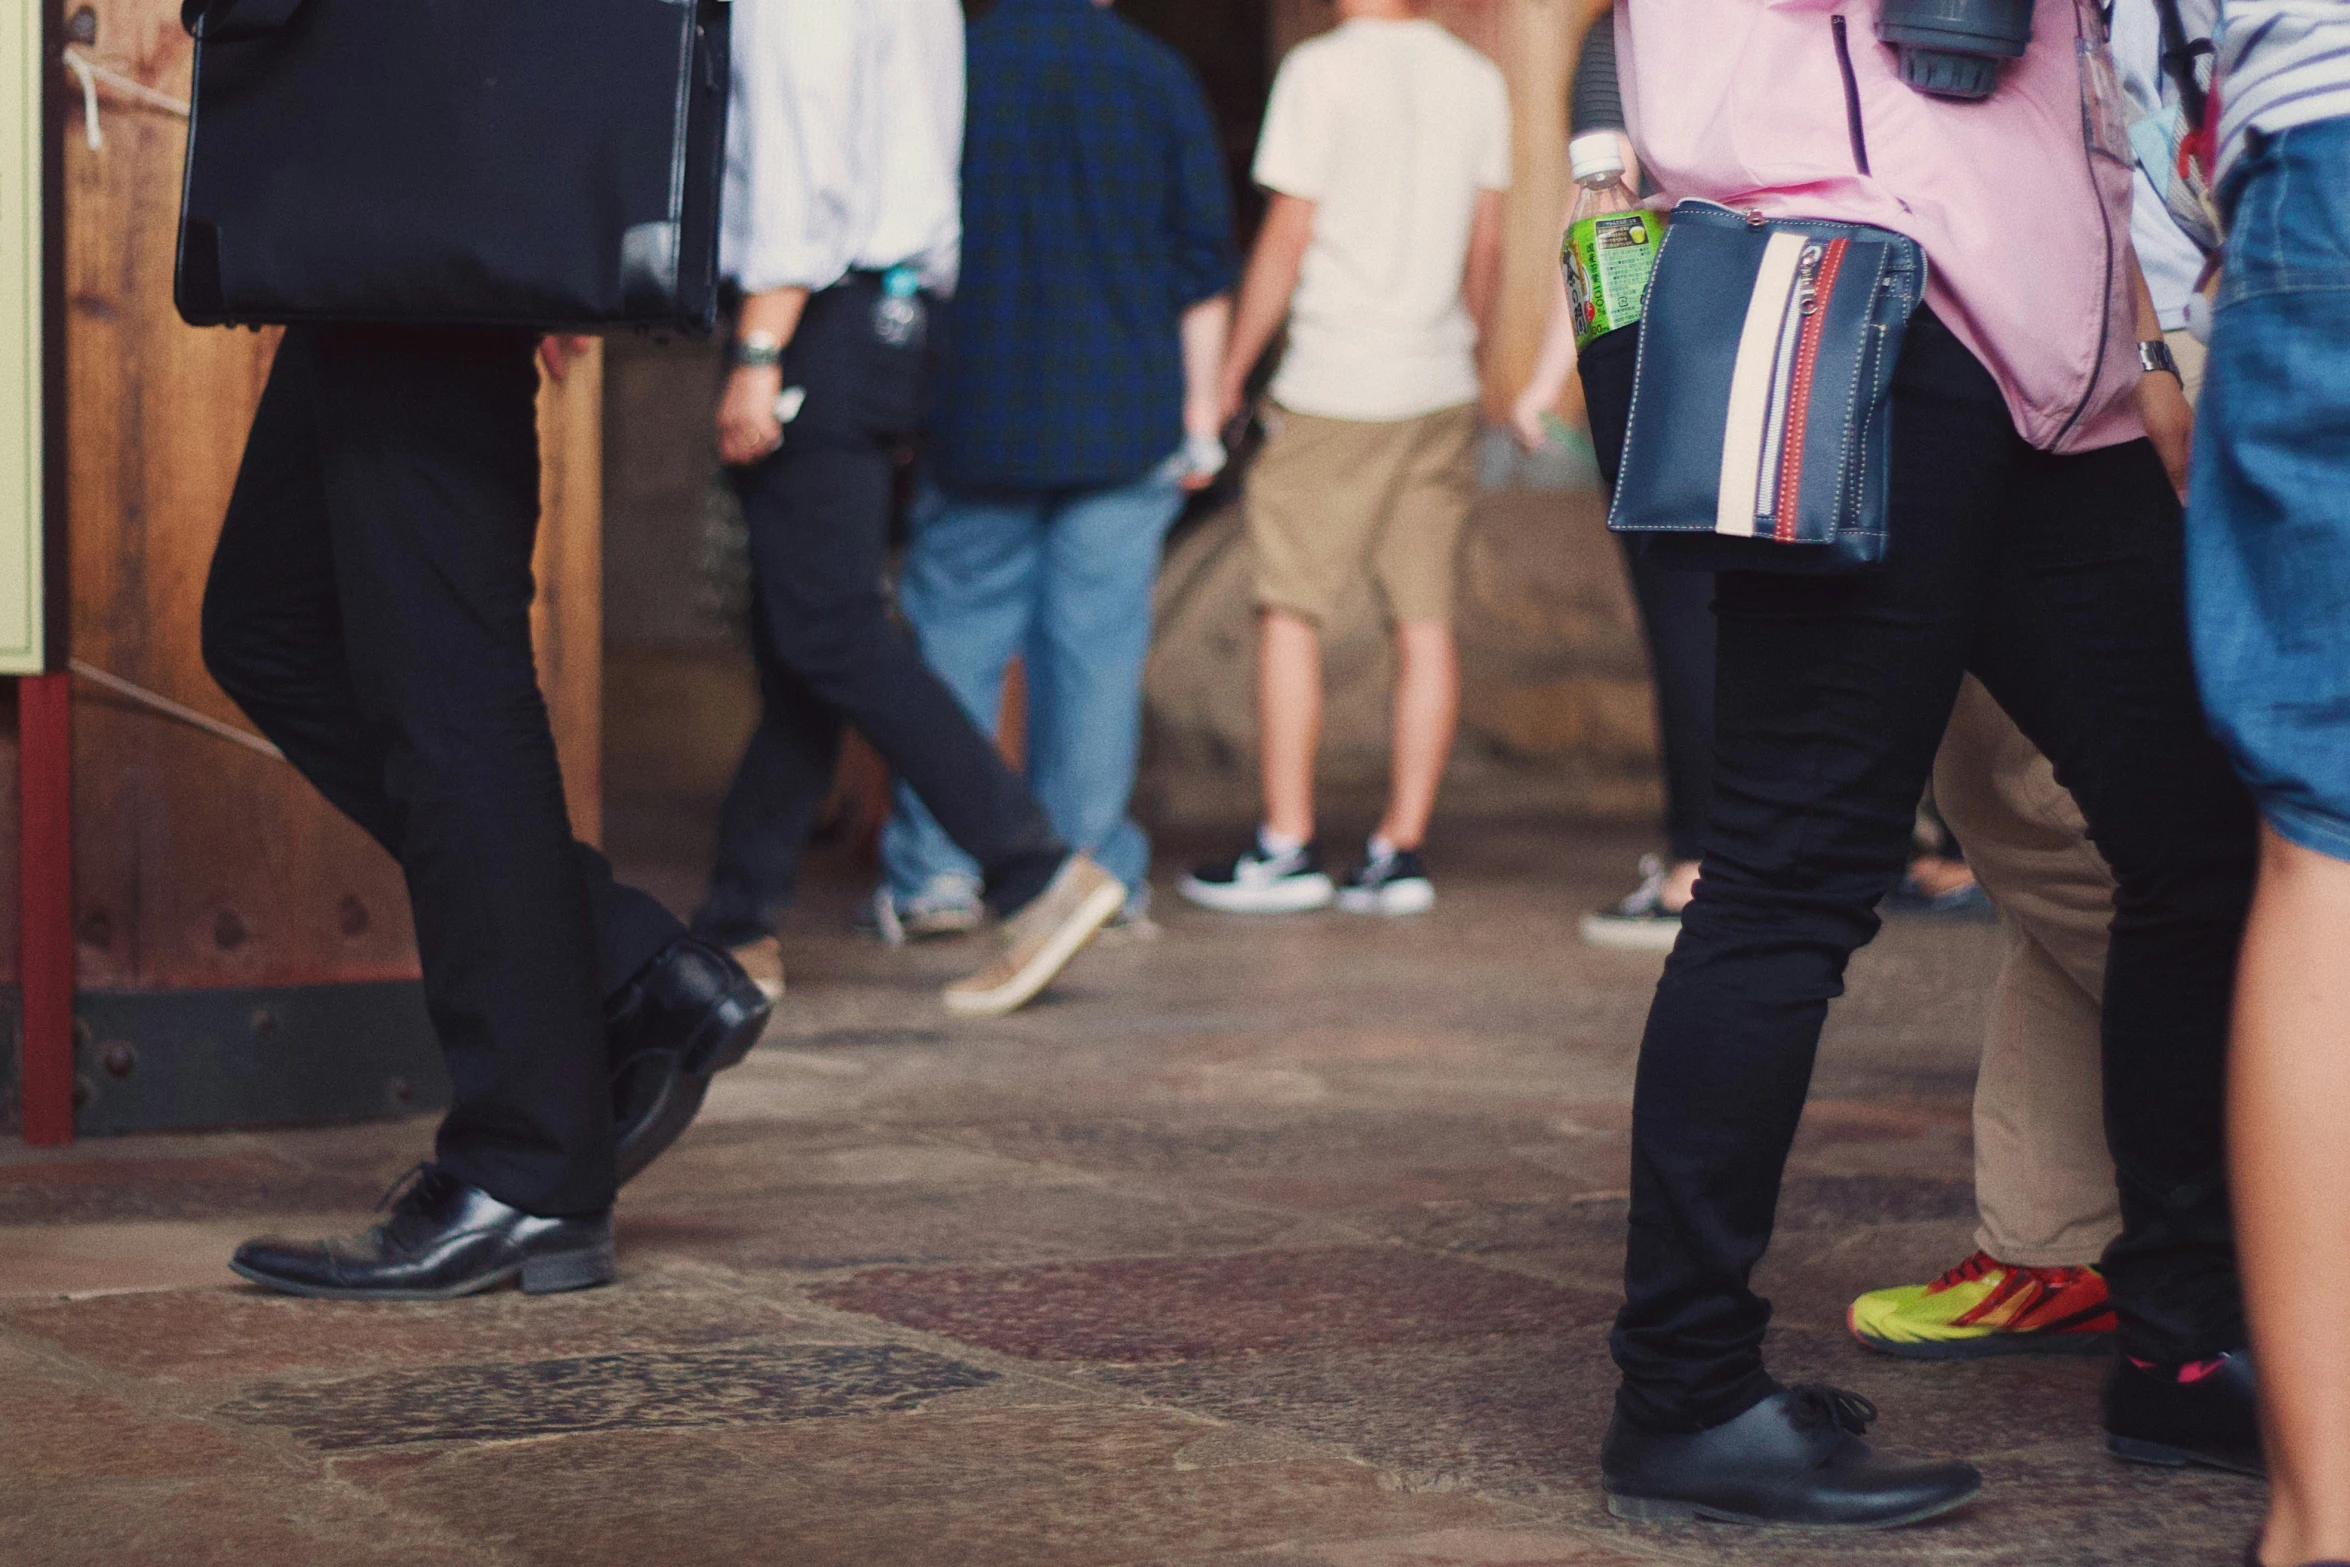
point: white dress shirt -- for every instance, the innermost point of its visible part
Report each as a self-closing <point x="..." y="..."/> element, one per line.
<point x="844" y="141"/>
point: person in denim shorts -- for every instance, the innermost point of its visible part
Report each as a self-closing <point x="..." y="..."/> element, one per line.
<point x="2269" y="595"/>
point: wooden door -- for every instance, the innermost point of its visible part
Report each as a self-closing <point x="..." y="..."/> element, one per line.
<point x="206" y="873"/>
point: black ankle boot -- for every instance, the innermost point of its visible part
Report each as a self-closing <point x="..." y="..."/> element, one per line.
<point x="688" y="1015"/>
<point x="1794" y="1458"/>
<point x="441" y="1240"/>
<point x="2151" y="1417"/>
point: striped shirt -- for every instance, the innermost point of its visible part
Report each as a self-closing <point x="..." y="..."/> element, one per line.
<point x="2281" y="63"/>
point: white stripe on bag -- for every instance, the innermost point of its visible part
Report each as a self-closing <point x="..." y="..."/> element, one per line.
<point x="1750" y="384"/>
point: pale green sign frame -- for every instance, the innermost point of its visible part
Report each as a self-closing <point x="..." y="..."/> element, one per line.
<point x="22" y="583"/>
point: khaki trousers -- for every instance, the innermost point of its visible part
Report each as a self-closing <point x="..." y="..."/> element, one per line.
<point x="2044" y="1183"/>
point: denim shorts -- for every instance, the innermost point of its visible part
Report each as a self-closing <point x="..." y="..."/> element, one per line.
<point x="2268" y="530"/>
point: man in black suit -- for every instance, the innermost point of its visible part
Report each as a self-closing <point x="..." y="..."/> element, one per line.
<point x="369" y="607"/>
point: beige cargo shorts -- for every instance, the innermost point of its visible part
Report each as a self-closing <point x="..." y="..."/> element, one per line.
<point x="1330" y="501"/>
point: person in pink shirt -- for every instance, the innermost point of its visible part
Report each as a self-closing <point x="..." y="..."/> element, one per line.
<point x="2035" y="541"/>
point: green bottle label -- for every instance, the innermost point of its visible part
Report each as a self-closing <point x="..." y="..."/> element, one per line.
<point x="1608" y="263"/>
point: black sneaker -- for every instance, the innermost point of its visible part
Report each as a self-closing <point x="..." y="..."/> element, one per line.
<point x="1394" y="883"/>
<point x="1641" y="923"/>
<point x="2154" y="1416"/>
<point x="1254" y="882"/>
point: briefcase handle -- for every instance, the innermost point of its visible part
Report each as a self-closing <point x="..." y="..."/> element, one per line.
<point x="225" y="20"/>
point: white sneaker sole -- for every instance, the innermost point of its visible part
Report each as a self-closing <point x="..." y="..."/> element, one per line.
<point x="1629" y="935"/>
<point x="1395" y="899"/>
<point x="1097" y="910"/>
<point x="1290" y="895"/>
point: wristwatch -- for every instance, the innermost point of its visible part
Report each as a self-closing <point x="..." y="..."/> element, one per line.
<point x="755" y="351"/>
<point x="2154" y="354"/>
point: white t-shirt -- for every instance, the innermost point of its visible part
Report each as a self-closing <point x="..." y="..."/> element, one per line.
<point x="1391" y="129"/>
<point x="2170" y="260"/>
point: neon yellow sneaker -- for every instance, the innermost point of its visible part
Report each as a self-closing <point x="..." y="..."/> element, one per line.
<point x="1987" y="1307"/>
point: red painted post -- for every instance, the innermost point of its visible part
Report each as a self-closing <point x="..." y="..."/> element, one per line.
<point x="45" y="897"/>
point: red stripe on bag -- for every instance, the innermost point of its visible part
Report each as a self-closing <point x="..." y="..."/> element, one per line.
<point x="1807" y="353"/>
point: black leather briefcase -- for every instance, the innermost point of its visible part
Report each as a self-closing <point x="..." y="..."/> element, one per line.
<point x="548" y="164"/>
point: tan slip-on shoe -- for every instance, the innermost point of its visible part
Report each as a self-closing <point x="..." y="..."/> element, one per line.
<point x="1040" y="940"/>
<point x="763" y="961"/>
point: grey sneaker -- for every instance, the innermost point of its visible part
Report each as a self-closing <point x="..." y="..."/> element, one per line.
<point x="1040" y="940"/>
<point x="947" y="906"/>
<point x="1641" y="923"/>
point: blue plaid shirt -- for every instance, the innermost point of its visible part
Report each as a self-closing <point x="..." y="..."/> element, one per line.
<point x="1095" y="213"/>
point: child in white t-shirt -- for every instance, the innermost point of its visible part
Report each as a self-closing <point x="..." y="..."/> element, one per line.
<point x="1385" y="152"/>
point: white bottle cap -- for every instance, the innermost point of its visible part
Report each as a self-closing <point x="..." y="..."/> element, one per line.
<point x="1595" y="155"/>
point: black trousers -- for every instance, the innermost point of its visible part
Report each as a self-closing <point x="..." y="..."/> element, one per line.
<point x="369" y="607"/>
<point x="829" y="655"/>
<point x="1676" y="614"/>
<point x="1677" y="621"/>
<point x="2059" y="582"/>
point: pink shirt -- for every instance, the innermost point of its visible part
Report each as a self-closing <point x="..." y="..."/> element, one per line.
<point x="2025" y="224"/>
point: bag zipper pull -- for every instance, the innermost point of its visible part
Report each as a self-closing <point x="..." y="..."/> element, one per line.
<point x="1807" y="279"/>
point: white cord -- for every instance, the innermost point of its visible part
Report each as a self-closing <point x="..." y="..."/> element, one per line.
<point x="81" y="68"/>
<point x="90" y="73"/>
<point x="170" y="709"/>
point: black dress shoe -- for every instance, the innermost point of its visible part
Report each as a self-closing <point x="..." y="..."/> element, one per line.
<point x="1794" y="1458"/>
<point x="2151" y="1417"/>
<point x="442" y="1239"/>
<point x="687" y="1016"/>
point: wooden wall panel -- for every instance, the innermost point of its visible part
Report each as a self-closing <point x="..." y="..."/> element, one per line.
<point x="568" y="619"/>
<point x="199" y="863"/>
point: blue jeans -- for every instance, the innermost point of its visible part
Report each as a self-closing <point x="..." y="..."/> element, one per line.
<point x="2269" y="527"/>
<point x="1064" y="579"/>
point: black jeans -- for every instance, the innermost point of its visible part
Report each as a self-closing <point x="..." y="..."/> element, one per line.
<point x="829" y="654"/>
<point x="1676" y="615"/>
<point x="2059" y="582"/>
<point x="369" y="607"/>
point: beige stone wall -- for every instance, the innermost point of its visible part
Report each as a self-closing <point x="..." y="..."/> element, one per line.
<point x="1556" y="712"/>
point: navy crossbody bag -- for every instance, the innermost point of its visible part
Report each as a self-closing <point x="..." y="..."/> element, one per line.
<point x="1761" y="427"/>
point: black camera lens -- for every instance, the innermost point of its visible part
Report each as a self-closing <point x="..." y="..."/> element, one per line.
<point x="1954" y="48"/>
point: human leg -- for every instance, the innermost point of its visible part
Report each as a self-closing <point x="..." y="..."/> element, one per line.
<point x="427" y="461"/>
<point x="1289" y="719"/>
<point x="1427" y="711"/>
<point x="1415" y="559"/>
<point x="967" y="587"/>
<point x="1833" y="693"/>
<point x="2288" y="1084"/>
<point x="2043" y="1178"/>
<point x="2269" y="542"/>
<point x="1317" y="499"/>
<point x="1676" y="615"/>
<point x="1086" y="650"/>
<point x="770" y="806"/>
<point x="2044" y="1183"/>
<point x="273" y="639"/>
<point x="1677" y="623"/>
<point x="2084" y="645"/>
<point x="819" y="518"/>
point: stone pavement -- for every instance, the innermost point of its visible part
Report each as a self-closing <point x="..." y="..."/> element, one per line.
<point x="1278" y="1244"/>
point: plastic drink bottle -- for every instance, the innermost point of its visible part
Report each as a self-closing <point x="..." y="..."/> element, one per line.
<point x="1611" y="240"/>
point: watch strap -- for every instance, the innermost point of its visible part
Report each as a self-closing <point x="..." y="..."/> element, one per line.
<point x="754" y="351"/>
<point x="2154" y="354"/>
